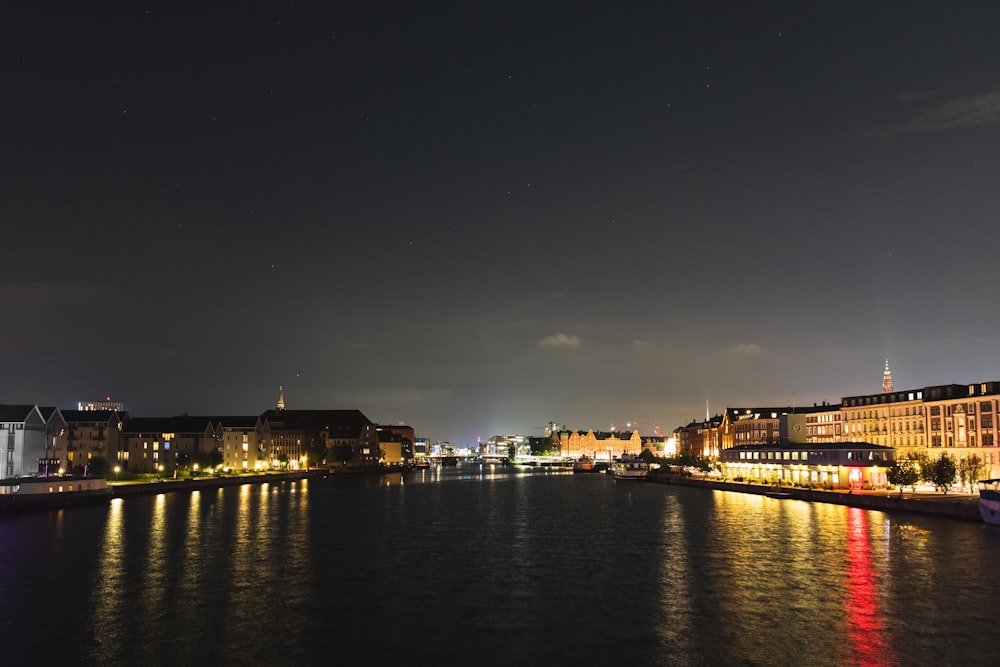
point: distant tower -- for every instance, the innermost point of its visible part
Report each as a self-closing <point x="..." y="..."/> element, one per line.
<point x="887" y="379"/>
<point x="281" y="396"/>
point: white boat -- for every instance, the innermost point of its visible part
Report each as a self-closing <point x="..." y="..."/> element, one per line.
<point x="23" y="493"/>
<point x="630" y="469"/>
<point x="989" y="501"/>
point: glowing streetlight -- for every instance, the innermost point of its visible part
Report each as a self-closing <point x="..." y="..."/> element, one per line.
<point x="117" y="470"/>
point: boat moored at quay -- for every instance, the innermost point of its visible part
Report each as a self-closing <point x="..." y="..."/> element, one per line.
<point x="51" y="492"/>
<point x="629" y="469"/>
<point x="989" y="501"/>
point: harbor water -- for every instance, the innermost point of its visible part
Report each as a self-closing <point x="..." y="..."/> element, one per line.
<point x="492" y="565"/>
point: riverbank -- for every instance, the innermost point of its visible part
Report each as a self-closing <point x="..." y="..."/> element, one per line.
<point x="962" y="506"/>
<point x="145" y="487"/>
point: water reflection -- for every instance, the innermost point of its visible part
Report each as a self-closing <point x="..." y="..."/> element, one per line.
<point x="154" y="568"/>
<point x="542" y="568"/>
<point x="108" y="597"/>
<point x="676" y="623"/>
<point x="865" y="630"/>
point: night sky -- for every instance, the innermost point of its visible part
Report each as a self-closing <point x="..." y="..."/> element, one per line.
<point x="475" y="219"/>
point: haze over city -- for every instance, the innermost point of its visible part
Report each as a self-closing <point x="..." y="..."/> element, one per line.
<point x="479" y="219"/>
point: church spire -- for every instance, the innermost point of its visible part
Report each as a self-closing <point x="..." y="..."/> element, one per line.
<point x="887" y="379"/>
<point x="281" y="397"/>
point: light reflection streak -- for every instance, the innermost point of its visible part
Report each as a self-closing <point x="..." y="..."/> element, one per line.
<point x="154" y="588"/>
<point x="865" y="630"/>
<point x="108" y="598"/>
<point x="675" y="625"/>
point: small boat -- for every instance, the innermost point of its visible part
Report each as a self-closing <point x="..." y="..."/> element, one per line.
<point x="584" y="464"/>
<point x="636" y="469"/>
<point x="989" y="501"/>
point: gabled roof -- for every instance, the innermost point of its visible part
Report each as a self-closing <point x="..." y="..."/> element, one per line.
<point x="18" y="413"/>
<point x="49" y="411"/>
<point x="92" y="416"/>
<point x="349" y="422"/>
<point x="237" y="421"/>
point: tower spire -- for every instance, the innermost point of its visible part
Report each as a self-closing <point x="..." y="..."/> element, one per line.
<point x="887" y="379"/>
<point x="281" y="397"/>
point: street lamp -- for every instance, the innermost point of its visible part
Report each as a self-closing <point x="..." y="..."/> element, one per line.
<point x="117" y="470"/>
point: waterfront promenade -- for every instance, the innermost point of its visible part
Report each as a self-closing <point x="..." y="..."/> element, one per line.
<point x="143" y="487"/>
<point x="963" y="506"/>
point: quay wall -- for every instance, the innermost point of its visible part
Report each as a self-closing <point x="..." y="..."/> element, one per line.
<point x="208" y="482"/>
<point x="963" y="507"/>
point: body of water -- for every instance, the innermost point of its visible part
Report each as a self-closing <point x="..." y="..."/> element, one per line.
<point x="492" y="565"/>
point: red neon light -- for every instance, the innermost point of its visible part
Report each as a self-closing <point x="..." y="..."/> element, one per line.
<point x="865" y="631"/>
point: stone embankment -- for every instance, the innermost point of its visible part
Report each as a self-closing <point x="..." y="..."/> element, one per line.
<point x="958" y="506"/>
<point x="121" y="489"/>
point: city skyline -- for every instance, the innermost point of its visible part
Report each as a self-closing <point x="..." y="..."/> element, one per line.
<point x="479" y="220"/>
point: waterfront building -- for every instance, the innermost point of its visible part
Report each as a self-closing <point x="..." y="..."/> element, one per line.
<point x="703" y="438"/>
<point x="752" y="426"/>
<point x="22" y="439"/>
<point x="421" y="449"/>
<point x="962" y="420"/>
<point x="599" y="445"/>
<point x="293" y="431"/>
<point x="55" y="460"/>
<point x="842" y="465"/>
<point x="92" y="433"/>
<point x="395" y="444"/>
<point x="162" y="444"/>
<point x="894" y="419"/>
<point x="391" y="449"/>
<point x="245" y="444"/>
<point x="825" y="424"/>
<point x="403" y="434"/>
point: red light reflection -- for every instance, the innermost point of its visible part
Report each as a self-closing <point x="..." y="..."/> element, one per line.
<point x="865" y="632"/>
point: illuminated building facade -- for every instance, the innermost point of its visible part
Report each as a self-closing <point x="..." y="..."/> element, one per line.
<point x="704" y="438"/>
<point x="505" y="446"/>
<point x="106" y="405"/>
<point x="93" y="433"/>
<point x="895" y="419"/>
<point x="845" y="465"/>
<point x="245" y="444"/>
<point x="752" y="426"/>
<point x="292" y="431"/>
<point x="162" y="444"/>
<point x="962" y="419"/>
<point x="825" y="424"/>
<point x="598" y="445"/>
